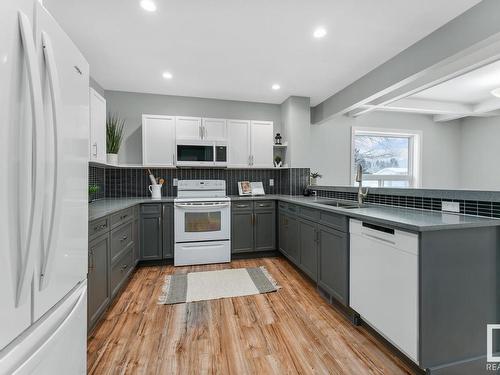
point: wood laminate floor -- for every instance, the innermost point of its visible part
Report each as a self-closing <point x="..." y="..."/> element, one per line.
<point x="291" y="331"/>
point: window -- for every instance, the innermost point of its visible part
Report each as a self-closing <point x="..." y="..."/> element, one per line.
<point x="390" y="158"/>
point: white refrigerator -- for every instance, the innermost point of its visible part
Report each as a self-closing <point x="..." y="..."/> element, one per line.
<point x="44" y="115"/>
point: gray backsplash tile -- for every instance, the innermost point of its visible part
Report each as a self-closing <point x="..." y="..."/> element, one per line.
<point x="134" y="182"/>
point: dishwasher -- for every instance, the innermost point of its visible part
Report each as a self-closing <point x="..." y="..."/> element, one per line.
<point x="384" y="282"/>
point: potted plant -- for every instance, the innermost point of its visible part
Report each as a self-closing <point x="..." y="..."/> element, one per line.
<point x="114" y="136"/>
<point x="314" y="178"/>
<point x="93" y="190"/>
<point x="278" y="162"/>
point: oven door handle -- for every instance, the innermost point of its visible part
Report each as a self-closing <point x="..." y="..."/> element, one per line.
<point x="197" y="206"/>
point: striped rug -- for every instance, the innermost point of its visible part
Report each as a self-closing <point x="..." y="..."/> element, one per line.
<point x="208" y="285"/>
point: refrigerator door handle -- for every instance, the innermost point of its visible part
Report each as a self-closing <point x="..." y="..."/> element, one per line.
<point x="48" y="53"/>
<point x="36" y="204"/>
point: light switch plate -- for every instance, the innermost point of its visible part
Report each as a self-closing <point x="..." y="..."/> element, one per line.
<point x="450" y="206"/>
<point x="174" y="182"/>
<point x="271" y="182"/>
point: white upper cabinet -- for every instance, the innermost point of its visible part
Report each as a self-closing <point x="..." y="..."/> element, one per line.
<point x="214" y="129"/>
<point x="238" y="143"/>
<point x="158" y="140"/>
<point x="188" y="128"/>
<point x="97" y="139"/>
<point x="261" y="144"/>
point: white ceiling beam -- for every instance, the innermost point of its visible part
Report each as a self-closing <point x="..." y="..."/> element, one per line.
<point x="412" y="105"/>
<point x="434" y="59"/>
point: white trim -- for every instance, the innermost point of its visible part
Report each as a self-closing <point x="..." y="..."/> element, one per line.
<point x="414" y="154"/>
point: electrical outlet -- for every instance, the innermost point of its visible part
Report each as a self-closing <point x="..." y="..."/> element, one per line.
<point x="271" y="182"/>
<point x="450" y="206"/>
<point x="174" y="182"/>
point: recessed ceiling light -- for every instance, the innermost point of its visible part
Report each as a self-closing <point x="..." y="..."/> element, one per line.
<point x="496" y="92"/>
<point x="167" y="75"/>
<point x="275" y="86"/>
<point x="320" y="32"/>
<point x="148" y="5"/>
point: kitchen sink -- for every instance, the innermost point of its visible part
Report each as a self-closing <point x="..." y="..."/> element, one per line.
<point x="346" y="205"/>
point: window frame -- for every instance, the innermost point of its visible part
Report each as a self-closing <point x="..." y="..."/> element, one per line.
<point x="414" y="155"/>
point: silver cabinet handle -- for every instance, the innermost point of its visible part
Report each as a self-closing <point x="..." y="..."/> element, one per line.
<point x="200" y="132"/>
<point x="95" y="148"/>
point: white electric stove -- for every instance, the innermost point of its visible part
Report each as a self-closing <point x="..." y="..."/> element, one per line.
<point x="202" y="223"/>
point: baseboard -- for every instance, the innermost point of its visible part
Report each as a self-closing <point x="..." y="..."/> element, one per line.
<point x="255" y="255"/>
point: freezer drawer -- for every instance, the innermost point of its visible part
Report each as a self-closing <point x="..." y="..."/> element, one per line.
<point x="57" y="344"/>
<point x="384" y="282"/>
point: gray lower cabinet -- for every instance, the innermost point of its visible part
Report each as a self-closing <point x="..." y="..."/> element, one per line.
<point x="151" y="231"/>
<point x="265" y="230"/>
<point x="308" y="248"/>
<point x="253" y="226"/>
<point x="112" y="258"/>
<point x="98" y="278"/>
<point x="333" y="262"/>
<point x="288" y="237"/>
<point x="135" y="231"/>
<point x="168" y="230"/>
<point x="318" y="243"/>
<point x="242" y="232"/>
<point x="157" y="231"/>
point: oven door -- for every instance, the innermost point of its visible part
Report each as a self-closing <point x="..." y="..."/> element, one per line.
<point x="195" y="155"/>
<point x="202" y="221"/>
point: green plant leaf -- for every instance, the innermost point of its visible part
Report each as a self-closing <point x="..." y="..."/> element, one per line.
<point x="114" y="133"/>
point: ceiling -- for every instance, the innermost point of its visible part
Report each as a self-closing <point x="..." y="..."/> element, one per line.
<point x="471" y="88"/>
<point x="236" y="49"/>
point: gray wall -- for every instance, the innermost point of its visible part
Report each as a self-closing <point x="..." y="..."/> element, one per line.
<point x="330" y="147"/>
<point x="296" y="126"/>
<point x="480" y="153"/>
<point x="131" y="106"/>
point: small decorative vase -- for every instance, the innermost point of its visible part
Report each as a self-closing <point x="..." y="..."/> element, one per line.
<point x="314" y="181"/>
<point x="112" y="159"/>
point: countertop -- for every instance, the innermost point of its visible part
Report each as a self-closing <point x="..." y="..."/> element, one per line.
<point x="415" y="220"/>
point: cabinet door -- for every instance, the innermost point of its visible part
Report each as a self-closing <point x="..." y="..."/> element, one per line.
<point x="214" y="129"/>
<point x="293" y="239"/>
<point x="158" y="140"/>
<point x="242" y="238"/>
<point x="98" y="278"/>
<point x="333" y="260"/>
<point x="283" y="233"/>
<point x="238" y="143"/>
<point x="308" y="248"/>
<point x="97" y="107"/>
<point x="151" y="237"/>
<point x="168" y="231"/>
<point x="261" y="144"/>
<point x="188" y="128"/>
<point x="265" y="230"/>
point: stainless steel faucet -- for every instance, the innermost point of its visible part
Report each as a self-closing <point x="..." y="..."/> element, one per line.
<point x="359" y="180"/>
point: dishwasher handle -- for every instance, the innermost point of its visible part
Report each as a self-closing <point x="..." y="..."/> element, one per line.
<point x="378" y="228"/>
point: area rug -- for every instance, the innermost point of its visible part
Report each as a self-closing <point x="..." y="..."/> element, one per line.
<point x="208" y="285"/>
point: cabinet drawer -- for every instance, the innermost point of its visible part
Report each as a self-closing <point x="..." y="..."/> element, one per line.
<point x="151" y="208"/>
<point x="246" y="205"/>
<point x="98" y="226"/>
<point x="284" y="206"/>
<point x="336" y="221"/>
<point x="309" y="213"/>
<point x="121" y="270"/>
<point x="264" y="205"/>
<point x="121" y="237"/>
<point x="121" y="217"/>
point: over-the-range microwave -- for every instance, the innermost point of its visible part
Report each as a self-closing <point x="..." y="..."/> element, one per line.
<point x="201" y="154"/>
